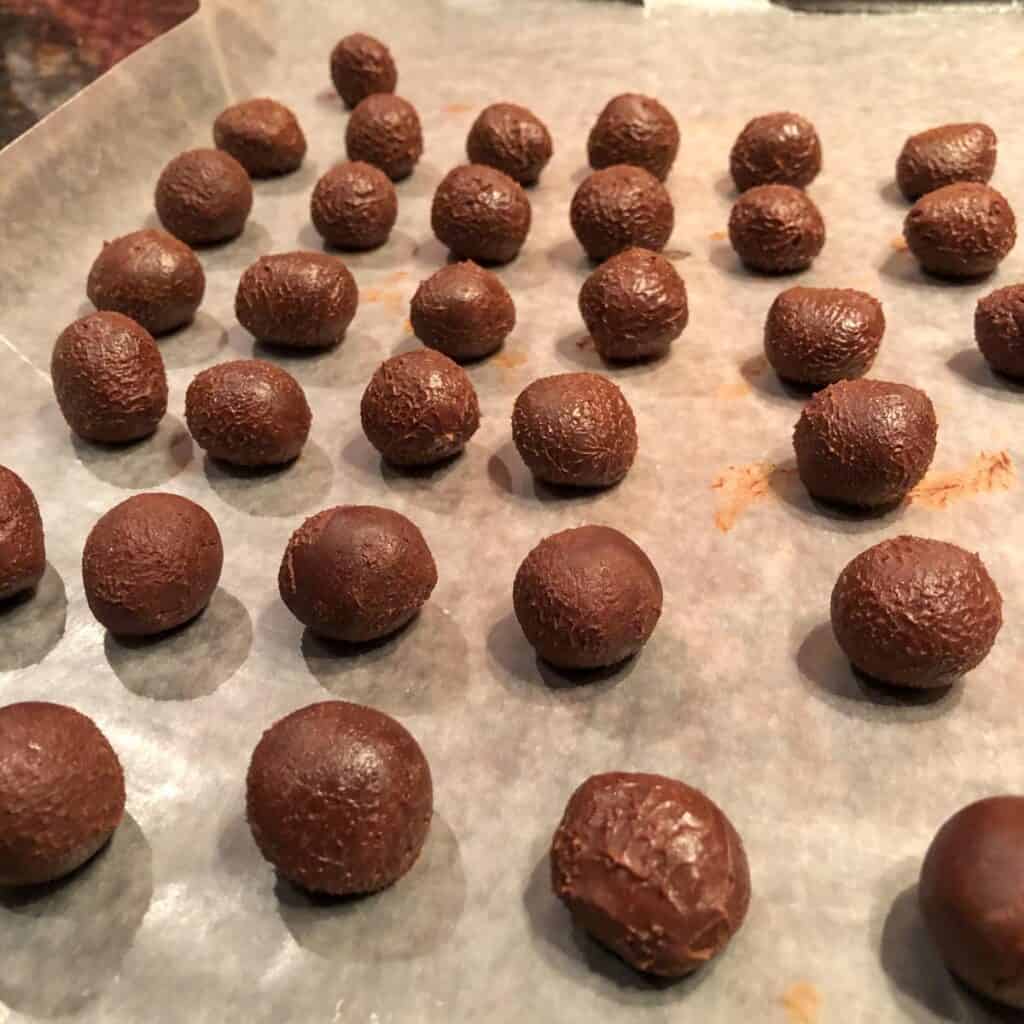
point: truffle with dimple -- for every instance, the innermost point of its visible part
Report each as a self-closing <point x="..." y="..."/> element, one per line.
<point x="264" y="136"/>
<point x="944" y="155"/>
<point x="776" y="229"/>
<point x="512" y="139"/>
<point x="915" y="612"/>
<point x="354" y="206"/>
<point x="865" y="443"/>
<point x="356" y="573"/>
<point x="776" y="149"/>
<point x="151" y="563"/>
<point x="22" y="546"/>
<point x="587" y="598"/>
<point x="384" y="130"/>
<point x="61" y="792"/>
<point x="999" y="329"/>
<point x="204" y="196"/>
<point x="361" y="66"/>
<point x="637" y="130"/>
<point x="652" y="869"/>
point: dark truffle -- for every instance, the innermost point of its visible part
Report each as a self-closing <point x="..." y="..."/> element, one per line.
<point x="61" y="792"/>
<point x="817" y="336"/>
<point x="354" y="206"/>
<point x="356" y="573"/>
<point x="339" y="798"/>
<point x="149" y="276"/>
<point x="999" y="329"/>
<point x="776" y="149"/>
<point x="297" y="300"/>
<point x="587" y="598"/>
<point x="481" y="214"/>
<point x="637" y="130"/>
<point x="361" y="66"/>
<point x="634" y="306"/>
<point x="962" y="230"/>
<point x="618" y="208"/>
<point x="575" y="429"/>
<point x="652" y="869"/>
<point x="204" y="196"/>
<point x="248" y="412"/>
<point x="151" y="563"/>
<point x="419" y="408"/>
<point x="944" y="155"/>
<point x="776" y="229"/>
<point x="512" y="139"/>
<point x="264" y="136"/>
<point x="865" y="443"/>
<point x="109" y="379"/>
<point x="22" y="547"/>
<point x="463" y="311"/>
<point x="384" y="130"/>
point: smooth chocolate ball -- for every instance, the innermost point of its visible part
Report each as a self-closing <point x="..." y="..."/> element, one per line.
<point x="999" y="329"/>
<point x="634" y="306"/>
<point x="776" y="149"/>
<point x="356" y="573"/>
<point x="109" y="379"/>
<point x="339" y="798"/>
<point x="151" y="563"/>
<point x="149" y="276"/>
<point x="944" y="155"/>
<point x="637" y="130"/>
<point x="264" y="136"/>
<point x="354" y="206"/>
<point x="61" y="792"/>
<point x="575" y="429"/>
<point x="916" y="612"/>
<point x="865" y="443"/>
<point x="302" y="300"/>
<point x="512" y="139"/>
<point x="384" y="130"/>
<point x="22" y="546"/>
<point x="248" y="413"/>
<point x="204" y="196"/>
<point x="361" y="66"/>
<point x="652" y="869"/>
<point x="480" y="214"/>
<point x="776" y="229"/>
<point x="587" y="598"/>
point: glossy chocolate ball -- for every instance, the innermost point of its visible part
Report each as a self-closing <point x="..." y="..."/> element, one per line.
<point x="22" y="546"/>
<point x="776" y="149"/>
<point x="999" y="329"/>
<point x="511" y="139"/>
<point x="776" y="229"/>
<point x="944" y="155"/>
<point x="204" y="196"/>
<point x="264" y="136"/>
<point x="354" y="206"/>
<point x="637" y="130"/>
<point x="384" y="130"/>
<point x="361" y="66"/>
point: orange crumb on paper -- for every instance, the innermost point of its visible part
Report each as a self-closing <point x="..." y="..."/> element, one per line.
<point x="989" y="472"/>
<point x="738" y="488"/>
<point x="718" y="236"/>
<point x="509" y="360"/>
<point x="408" y="326"/>
<point x="396" y="277"/>
<point x="456" y="108"/>
<point x="386" y="297"/>
<point x="733" y="389"/>
<point x="898" y="244"/>
<point x="802" y="1001"/>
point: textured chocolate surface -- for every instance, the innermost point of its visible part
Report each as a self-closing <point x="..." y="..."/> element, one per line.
<point x="384" y="130"/>
<point x="637" y="130"/>
<point x="944" y="155"/>
<point x="776" y="229"/>
<point x="22" y="546"/>
<point x="264" y="136"/>
<point x="775" y="149"/>
<point x="999" y="329"/>
<point x="354" y="206"/>
<point x="512" y="139"/>
<point x="361" y="66"/>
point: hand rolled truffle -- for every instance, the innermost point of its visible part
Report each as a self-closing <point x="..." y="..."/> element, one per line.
<point x="384" y="130"/>
<point x="511" y="139"/>
<point x="652" y="869"/>
<point x="776" y="229"/>
<point x="637" y="130"/>
<point x="999" y="329"/>
<point x="361" y="66"/>
<point x="354" y="206"/>
<point x="264" y="136"/>
<point x="22" y="546"/>
<point x="776" y="149"/>
<point x="944" y="155"/>
<point x="204" y="196"/>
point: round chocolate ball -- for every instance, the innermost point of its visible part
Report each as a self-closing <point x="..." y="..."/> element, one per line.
<point x="637" y="130"/>
<point x="776" y="149"/>
<point x="480" y="214"/>
<point x="361" y="66"/>
<point x="301" y="300"/>
<point x="22" y="547"/>
<point x="575" y="429"/>
<point x="865" y="443"/>
<point x="944" y="155"/>
<point x="512" y="139"/>
<point x="776" y="229"/>
<point x="151" y="563"/>
<point x="999" y="329"/>
<point x="463" y="311"/>
<point x="149" y="276"/>
<point x="204" y="196"/>
<point x="339" y="798"/>
<point x="248" y="413"/>
<point x="356" y="573"/>
<point x="109" y="379"/>
<point x="634" y="306"/>
<point x="384" y="130"/>
<point x="61" y="792"/>
<point x="264" y="136"/>
<point x="618" y="208"/>
<point x="652" y="869"/>
<point x="587" y="598"/>
<point x="962" y="230"/>
<point x="817" y="336"/>
<point x="354" y="206"/>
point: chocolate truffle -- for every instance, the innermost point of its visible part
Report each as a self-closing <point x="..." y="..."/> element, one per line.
<point x="620" y="207"/>
<point x="652" y="869"/>
<point x="419" y="408"/>
<point x="22" y="548"/>
<point x="248" y="412"/>
<point x="151" y="563"/>
<point x="587" y="598"/>
<point x="300" y="300"/>
<point x="480" y="214"/>
<point x="575" y="429"/>
<point x="109" y="379"/>
<point x="971" y="881"/>
<point x="384" y="130"/>
<point x="944" y="155"/>
<point x="204" y="196"/>
<point x="149" y="276"/>
<point x="61" y="792"/>
<point x="817" y="336"/>
<point x="361" y="66"/>
<point x="962" y="230"/>
<point x="264" y="136"/>
<point x="775" y="149"/>
<point x="865" y="443"/>
<point x="776" y="229"/>
<point x="354" y="206"/>
<point x="999" y="329"/>
<point x="511" y="139"/>
<point x="356" y="573"/>
<point x="634" y="306"/>
<point x="339" y="798"/>
<point x="463" y="311"/>
<point x="637" y="130"/>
